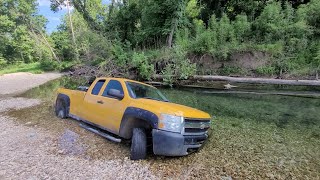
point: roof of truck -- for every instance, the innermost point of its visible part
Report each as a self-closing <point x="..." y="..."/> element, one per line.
<point x="125" y="80"/>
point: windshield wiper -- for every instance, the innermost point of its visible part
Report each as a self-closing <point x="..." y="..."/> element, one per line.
<point x="154" y="99"/>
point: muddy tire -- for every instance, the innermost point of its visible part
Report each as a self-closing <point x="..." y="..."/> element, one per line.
<point x="139" y="144"/>
<point x="61" y="111"/>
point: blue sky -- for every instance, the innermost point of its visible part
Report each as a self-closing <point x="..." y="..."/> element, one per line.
<point x="54" y="18"/>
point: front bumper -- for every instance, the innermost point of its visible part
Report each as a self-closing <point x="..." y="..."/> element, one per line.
<point x="173" y="144"/>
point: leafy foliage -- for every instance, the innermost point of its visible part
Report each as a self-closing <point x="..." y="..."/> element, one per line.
<point x="122" y="34"/>
<point x="140" y="61"/>
<point x="20" y="32"/>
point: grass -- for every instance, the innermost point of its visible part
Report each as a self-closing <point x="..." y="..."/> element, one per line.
<point x="22" y="67"/>
<point x="37" y="67"/>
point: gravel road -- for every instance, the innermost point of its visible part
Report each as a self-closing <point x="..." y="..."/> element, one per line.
<point x="16" y="83"/>
<point x="28" y="152"/>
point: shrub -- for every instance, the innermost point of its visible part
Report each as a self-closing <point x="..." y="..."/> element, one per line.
<point x="48" y="65"/>
<point x="168" y="74"/>
<point x="140" y="61"/>
<point x="266" y="70"/>
<point x="121" y="54"/>
<point x="179" y="67"/>
<point x="3" y="62"/>
<point x="182" y="65"/>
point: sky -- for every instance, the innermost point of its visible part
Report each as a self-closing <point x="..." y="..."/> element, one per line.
<point x="54" y="18"/>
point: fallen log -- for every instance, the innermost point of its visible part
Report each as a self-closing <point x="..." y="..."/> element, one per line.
<point x="251" y="80"/>
<point x="154" y="83"/>
<point x="295" y="94"/>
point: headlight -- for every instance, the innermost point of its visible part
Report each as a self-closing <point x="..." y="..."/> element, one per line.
<point x="171" y="123"/>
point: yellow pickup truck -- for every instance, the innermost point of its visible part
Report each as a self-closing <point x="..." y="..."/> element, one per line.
<point x="121" y="109"/>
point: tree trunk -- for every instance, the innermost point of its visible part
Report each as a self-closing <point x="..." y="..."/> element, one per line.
<point x="72" y="32"/>
<point x="46" y="43"/>
<point x="317" y="75"/>
<point x="252" y="80"/>
<point x="173" y="27"/>
<point x="51" y="49"/>
<point x="111" y="9"/>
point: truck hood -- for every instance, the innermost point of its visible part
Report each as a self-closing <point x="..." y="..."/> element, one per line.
<point x="170" y="108"/>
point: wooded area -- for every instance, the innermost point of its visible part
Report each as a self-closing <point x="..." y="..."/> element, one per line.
<point x="143" y="38"/>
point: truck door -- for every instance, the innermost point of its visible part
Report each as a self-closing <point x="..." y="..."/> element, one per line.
<point x="112" y="108"/>
<point x="89" y="110"/>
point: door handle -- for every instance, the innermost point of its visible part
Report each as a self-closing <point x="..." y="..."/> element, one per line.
<point x="100" y="102"/>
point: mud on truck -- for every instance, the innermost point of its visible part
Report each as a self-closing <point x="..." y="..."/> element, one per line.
<point x="121" y="109"/>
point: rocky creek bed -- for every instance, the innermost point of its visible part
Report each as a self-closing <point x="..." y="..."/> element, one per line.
<point x="270" y="143"/>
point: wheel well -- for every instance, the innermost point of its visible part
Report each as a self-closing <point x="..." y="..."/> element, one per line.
<point x="65" y="101"/>
<point x="131" y="123"/>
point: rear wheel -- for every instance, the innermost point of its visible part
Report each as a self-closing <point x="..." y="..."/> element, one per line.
<point x="139" y="144"/>
<point x="61" y="111"/>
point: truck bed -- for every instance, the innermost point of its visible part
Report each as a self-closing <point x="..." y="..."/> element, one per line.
<point x="76" y="99"/>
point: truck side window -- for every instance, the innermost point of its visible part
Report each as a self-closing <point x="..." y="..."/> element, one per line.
<point x="113" y="84"/>
<point x="97" y="87"/>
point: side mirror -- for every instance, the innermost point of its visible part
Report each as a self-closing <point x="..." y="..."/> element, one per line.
<point x="115" y="93"/>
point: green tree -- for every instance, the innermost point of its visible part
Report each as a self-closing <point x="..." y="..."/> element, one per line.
<point x="20" y="32"/>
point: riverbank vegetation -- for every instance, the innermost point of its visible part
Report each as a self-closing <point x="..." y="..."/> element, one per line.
<point x="22" y="67"/>
<point x="137" y="39"/>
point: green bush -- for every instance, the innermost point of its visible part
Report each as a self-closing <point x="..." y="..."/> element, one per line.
<point x="183" y="68"/>
<point x="65" y="65"/>
<point x="179" y="67"/>
<point x="266" y="70"/>
<point x="140" y="61"/>
<point x="121" y="54"/>
<point x="48" y="65"/>
<point x="168" y="74"/>
<point x="183" y="38"/>
<point x="3" y="62"/>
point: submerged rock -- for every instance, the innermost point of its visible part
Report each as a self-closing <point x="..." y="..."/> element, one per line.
<point x="68" y="144"/>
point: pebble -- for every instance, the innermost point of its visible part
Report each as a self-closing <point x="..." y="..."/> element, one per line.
<point x="21" y="158"/>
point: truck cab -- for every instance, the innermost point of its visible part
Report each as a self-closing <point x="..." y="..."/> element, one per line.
<point x="122" y="109"/>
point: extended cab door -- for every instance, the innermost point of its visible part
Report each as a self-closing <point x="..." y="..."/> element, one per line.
<point x="90" y="109"/>
<point x="108" y="110"/>
<point x="113" y="108"/>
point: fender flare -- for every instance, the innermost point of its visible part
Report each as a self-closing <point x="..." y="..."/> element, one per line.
<point x="64" y="98"/>
<point x="136" y="113"/>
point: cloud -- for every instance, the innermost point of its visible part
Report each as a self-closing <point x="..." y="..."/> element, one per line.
<point x="44" y="3"/>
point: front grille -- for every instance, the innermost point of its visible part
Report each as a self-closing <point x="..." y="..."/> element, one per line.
<point x="193" y="130"/>
<point x="195" y="140"/>
<point x="196" y="126"/>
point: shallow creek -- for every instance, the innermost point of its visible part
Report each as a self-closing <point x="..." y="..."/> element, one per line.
<point x="257" y="132"/>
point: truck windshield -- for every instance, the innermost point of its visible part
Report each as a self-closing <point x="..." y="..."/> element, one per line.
<point x="137" y="90"/>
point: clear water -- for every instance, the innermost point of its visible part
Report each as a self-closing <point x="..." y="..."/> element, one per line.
<point x="278" y="109"/>
<point x="255" y="133"/>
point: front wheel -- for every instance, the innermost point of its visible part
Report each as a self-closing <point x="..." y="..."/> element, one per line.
<point x="139" y="144"/>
